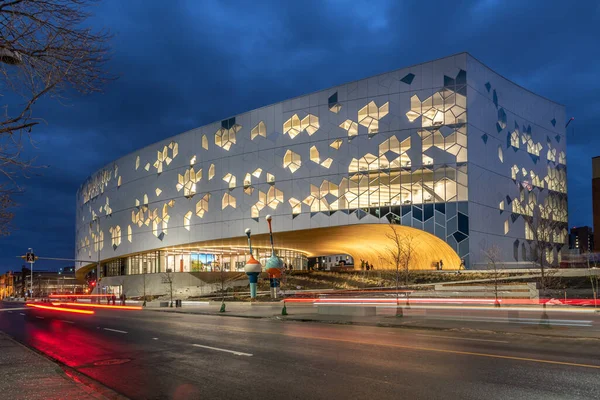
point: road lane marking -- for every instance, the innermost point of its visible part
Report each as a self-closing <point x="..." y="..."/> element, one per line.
<point x="463" y="338"/>
<point x="466" y="353"/>
<point x="37" y="316"/>
<point x="10" y="312"/>
<point x="68" y="322"/>
<point x="523" y="321"/>
<point x="114" y="330"/>
<point x="154" y="338"/>
<point x="432" y="349"/>
<point x="22" y="313"/>
<point x="237" y="353"/>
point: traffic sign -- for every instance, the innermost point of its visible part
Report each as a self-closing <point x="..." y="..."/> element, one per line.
<point x="30" y="257"/>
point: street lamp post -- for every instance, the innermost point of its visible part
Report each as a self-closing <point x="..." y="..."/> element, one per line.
<point x="30" y="250"/>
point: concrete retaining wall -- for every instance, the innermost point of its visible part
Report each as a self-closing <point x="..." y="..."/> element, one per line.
<point x="185" y="284"/>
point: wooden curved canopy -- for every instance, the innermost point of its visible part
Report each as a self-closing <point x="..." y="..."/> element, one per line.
<point x="369" y="242"/>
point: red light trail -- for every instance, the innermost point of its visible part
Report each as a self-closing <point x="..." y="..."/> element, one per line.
<point x="71" y="310"/>
<point x="91" y="305"/>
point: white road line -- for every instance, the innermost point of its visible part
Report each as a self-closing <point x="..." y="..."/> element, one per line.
<point x="10" y="312"/>
<point x="68" y="322"/>
<point x="462" y="338"/>
<point x="37" y="316"/>
<point x="154" y="338"/>
<point x="237" y="353"/>
<point x="114" y="330"/>
<point x="22" y="313"/>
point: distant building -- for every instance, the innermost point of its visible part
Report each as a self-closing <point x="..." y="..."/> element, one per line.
<point x="7" y="285"/>
<point x="47" y="282"/>
<point x="596" y="196"/>
<point x="582" y="239"/>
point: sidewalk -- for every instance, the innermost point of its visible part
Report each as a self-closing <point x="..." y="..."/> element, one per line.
<point x="24" y="374"/>
<point x="560" y="323"/>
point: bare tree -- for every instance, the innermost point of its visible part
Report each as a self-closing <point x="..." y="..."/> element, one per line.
<point x="493" y="255"/>
<point x="167" y="278"/>
<point x="45" y="49"/>
<point x="400" y="253"/>
<point x="542" y="227"/>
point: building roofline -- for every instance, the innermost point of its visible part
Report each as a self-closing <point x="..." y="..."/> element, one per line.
<point x="513" y="82"/>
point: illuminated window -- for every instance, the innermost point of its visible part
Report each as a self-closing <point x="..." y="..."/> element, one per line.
<point x="442" y="108"/>
<point x="188" y="181"/>
<point x="514" y="138"/>
<point x="551" y="155"/>
<point x="274" y="197"/>
<point x="228" y="201"/>
<point x="500" y="155"/>
<point x="259" y="130"/>
<point x="310" y="123"/>
<point x="225" y="136"/>
<point x="415" y="108"/>
<point x="562" y="158"/>
<point x="158" y="192"/>
<point x="137" y="162"/>
<point x="550" y="256"/>
<point x="248" y="189"/>
<point x="369" y="116"/>
<point x="204" y="142"/>
<point x="336" y="144"/>
<point x="292" y="126"/>
<point x="501" y="206"/>
<point x="129" y="234"/>
<point x="528" y="232"/>
<point x="147" y="167"/>
<point x="351" y="127"/>
<point x="115" y="233"/>
<point x="333" y="104"/>
<point x="270" y="178"/>
<point x="327" y="163"/>
<point x="192" y="161"/>
<point x="145" y="203"/>
<point x="314" y="154"/>
<point x="292" y="161"/>
<point x="119" y="182"/>
<point x="506" y="226"/>
<point x="202" y="205"/>
<point x="165" y="156"/>
<point x="427" y="160"/>
<point x="230" y="179"/>
<point x="296" y="206"/>
<point x="257" y="172"/>
<point x="187" y="220"/>
<point x="211" y="171"/>
<point x="171" y="203"/>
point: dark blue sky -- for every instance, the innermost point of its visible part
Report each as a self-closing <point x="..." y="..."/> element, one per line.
<point x="183" y="64"/>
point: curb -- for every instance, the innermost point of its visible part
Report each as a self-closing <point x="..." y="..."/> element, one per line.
<point x="381" y="325"/>
<point x="91" y="386"/>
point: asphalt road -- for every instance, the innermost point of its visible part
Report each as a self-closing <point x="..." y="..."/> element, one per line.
<point x="158" y="355"/>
